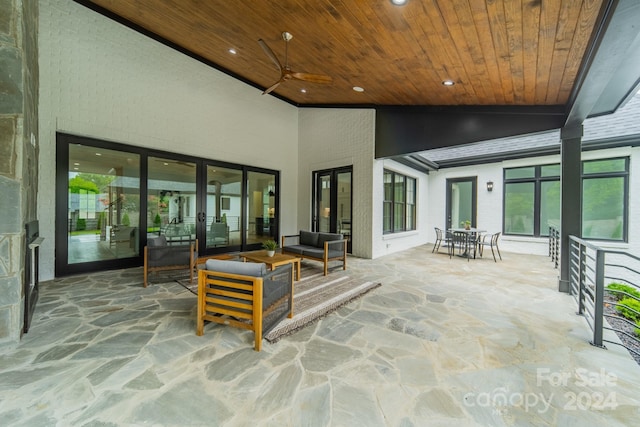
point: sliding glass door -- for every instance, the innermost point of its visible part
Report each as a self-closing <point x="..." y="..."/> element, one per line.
<point x="111" y="198"/>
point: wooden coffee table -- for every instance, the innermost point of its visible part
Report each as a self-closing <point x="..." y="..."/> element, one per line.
<point x="272" y="261"/>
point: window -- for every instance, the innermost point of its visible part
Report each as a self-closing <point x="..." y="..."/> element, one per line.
<point x="532" y="199"/>
<point x="604" y="196"/>
<point x="399" y="206"/>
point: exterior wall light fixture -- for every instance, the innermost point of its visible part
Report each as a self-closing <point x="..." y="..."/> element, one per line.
<point x="489" y="185"/>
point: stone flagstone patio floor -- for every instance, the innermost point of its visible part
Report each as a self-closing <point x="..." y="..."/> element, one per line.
<point x="442" y="342"/>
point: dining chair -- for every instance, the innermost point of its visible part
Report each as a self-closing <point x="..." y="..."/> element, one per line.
<point x="460" y="239"/>
<point x="441" y="236"/>
<point x="492" y="243"/>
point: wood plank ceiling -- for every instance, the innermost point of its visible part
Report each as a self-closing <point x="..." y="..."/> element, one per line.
<point x="498" y="52"/>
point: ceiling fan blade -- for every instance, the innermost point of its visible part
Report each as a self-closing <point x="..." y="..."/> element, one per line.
<point x="270" y="54"/>
<point x="275" y="85"/>
<point x="313" y="78"/>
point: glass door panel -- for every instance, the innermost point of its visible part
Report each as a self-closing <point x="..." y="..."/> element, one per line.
<point x="332" y="201"/>
<point x="223" y="207"/>
<point x="343" y="210"/>
<point x="262" y="216"/>
<point x="103" y="204"/>
<point x="171" y="199"/>
<point x="324" y="203"/>
<point x="461" y="202"/>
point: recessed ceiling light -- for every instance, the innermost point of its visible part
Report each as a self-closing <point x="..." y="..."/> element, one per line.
<point x="358" y="89"/>
<point x="399" y="2"/>
<point x="233" y="51"/>
<point x="166" y="164"/>
<point x="98" y="154"/>
<point x="75" y="169"/>
<point x="76" y="164"/>
<point x="448" y="82"/>
<point x="303" y="90"/>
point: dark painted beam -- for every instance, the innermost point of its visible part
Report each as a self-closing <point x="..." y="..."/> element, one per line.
<point x="406" y="130"/>
<point x="610" y="71"/>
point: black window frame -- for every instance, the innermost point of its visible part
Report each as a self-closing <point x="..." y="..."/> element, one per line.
<point x="538" y="179"/>
<point x="409" y="222"/>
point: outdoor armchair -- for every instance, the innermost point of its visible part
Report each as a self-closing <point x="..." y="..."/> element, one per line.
<point x="160" y="254"/>
<point x="244" y="295"/>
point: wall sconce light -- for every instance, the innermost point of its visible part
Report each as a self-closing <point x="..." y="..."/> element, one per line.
<point x="489" y="185"/>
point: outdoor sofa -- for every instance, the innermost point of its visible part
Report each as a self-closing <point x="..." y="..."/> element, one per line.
<point x="323" y="247"/>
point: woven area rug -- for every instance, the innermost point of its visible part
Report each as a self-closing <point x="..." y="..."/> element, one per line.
<point x="314" y="296"/>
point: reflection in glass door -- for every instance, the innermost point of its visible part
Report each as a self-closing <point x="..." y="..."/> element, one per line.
<point x="262" y="200"/>
<point x="223" y="207"/>
<point x="461" y="201"/>
<point x="333" y="202"/>
<point x="171" y="199"/>
<point x="103" y="219"/>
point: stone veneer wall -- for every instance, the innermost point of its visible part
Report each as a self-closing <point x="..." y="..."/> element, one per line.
<point x="18" y="153"/>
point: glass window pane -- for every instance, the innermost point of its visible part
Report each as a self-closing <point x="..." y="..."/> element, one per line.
<point x="388" y="187"/>
<point x="261" y="218"/>
<point x="224" y="206"/>
<point x="518" y="173"/>
<point x="399" y="192"/>
<point x="104" y="204"/>
<point x="386" y="217"/>
<point x="603" y="208"/>
<point x="549" y="205"/>
<point x="519" y="208"/>
<point x="171" y="209"/>
<point x="550" y="170"/>
<point x="601" y="166"/>
<point x="398" y="217"/>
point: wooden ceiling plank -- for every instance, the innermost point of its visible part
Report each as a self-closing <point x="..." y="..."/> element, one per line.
<point x="485" y="40"/>
<point x="585" y="23"/>
<point x="549" y="13"/>
<point x="530" y="37"/>
<point x="501" y="45"/>
<point x="513" y="19"/>
<point x="476" y="63"/>
<point x="563" y="39"/>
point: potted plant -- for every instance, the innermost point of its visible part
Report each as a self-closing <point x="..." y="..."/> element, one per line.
<point x="270" y="246"/>
<point x="466" y="224"/>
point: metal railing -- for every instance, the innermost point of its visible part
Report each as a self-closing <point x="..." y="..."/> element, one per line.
<point x="590" y="267"/>
<point x="554" y="243"/>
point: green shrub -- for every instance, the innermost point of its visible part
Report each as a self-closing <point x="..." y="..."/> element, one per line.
<point x="627" y="306"/>
<point x="125" y="219"/>
<point x="619" y="288"/>
<point x="637" y="330"/>
<point x="81" y="224"/>
<point x="157" y="220"/>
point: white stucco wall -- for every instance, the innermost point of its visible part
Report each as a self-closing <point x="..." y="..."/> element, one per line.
<point x="101" y="79"/>
<point x="331" y="138"/>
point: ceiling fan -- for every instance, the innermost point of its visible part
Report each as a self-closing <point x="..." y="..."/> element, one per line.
<point x="285" y="71"/>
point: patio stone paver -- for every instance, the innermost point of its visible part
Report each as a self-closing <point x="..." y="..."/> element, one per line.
<point x="441" y="342"/>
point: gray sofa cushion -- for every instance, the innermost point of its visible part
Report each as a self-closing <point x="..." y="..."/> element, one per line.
<point x="308" y="238"/>
<point x="296" y="249"/>
<point x="157" y="241"/>
<point x="235" y="267"/>
<point x="327" y="237"/>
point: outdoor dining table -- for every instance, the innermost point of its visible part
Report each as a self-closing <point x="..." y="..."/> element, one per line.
<point x="471" y="236"/>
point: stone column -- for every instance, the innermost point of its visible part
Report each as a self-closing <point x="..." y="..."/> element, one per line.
<point x="18" y="153"/>
<point x="571" y="197"/>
